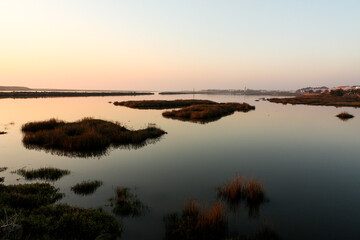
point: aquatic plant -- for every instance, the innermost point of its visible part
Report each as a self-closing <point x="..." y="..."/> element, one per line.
<point x="126" y="203"/>
<point x="197" y="222"/>
<point x="207" y="113"/>
<point x="49" y="173"/>
<point x="162" y="104"/>
<point x="85" y="137"/>
<point x="86" y="187"/>
<point x="3" y="169"/>
<point x="242" y="189"/>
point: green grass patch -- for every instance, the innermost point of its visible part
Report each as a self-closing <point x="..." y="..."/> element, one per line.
<point x="86" y="187"/>
<point x="48" y="174"/>
<point x="28" y="196"/>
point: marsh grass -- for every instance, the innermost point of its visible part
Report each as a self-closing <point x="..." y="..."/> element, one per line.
<point x="66" y="222"/>
<point x="2" y="179"/>
<point x="321" y="100"/>
<point x="87" y="137"/>
<point x="162" y="104"/>
<point x="29" y="209"/>
<point x="344" y="116"/>
<point x="2" y="169"/>
<point x="197" y="221"/>
<point x="48" y="174"/>
<point x="86" y="187"/>
<point x="28" y="196"/>
<point x="126" y="203"/>
<point x="240" y="189"/>
<point x="207" y="113"/>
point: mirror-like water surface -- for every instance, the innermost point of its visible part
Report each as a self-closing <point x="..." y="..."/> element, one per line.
<point x="307" y="159"/>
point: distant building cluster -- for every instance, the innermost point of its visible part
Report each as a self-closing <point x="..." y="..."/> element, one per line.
<point x="318" y="90"/>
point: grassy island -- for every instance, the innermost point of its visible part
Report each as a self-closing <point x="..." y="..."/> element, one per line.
<point x="207" y="113"/>
<point x="321" y="100"/>
<point x="162" y="104"/>
<point x="345" y="116"/>
<point x="87" y="137"/>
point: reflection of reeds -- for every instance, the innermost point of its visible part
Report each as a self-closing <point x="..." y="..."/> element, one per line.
<point x="197" y="222"/>
<point x="162" y="104"/>
<point x="207" y="113"/>
<point x="50" y="174"/>
<point x="344" y="116"/>
<point x="86" y="187"/>
<point x="88" y="137"/>
<point x="126" y="203"/>
<point x="241" y="189"/>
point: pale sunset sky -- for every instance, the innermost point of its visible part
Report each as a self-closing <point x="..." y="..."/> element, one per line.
<point x="179" y="45"/>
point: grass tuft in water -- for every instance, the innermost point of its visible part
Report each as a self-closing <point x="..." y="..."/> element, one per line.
<point x="126" y="203"/>
<point x="345" y="116"/>
<point x="86" y="187"/>
<point x="197" y="222"/>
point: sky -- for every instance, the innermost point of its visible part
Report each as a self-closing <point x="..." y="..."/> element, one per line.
<point x="179" y="45"/>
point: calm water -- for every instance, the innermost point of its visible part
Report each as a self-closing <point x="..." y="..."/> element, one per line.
<point x="307" y="159"/>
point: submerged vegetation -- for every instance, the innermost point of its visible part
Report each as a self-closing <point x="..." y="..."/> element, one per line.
<point x="197" y="222"/>
<point x="321" y="100"/>
<point x="344" y="116"/>
<point x="87" y="137"/>
<point x="241" y="189"/>
<point x="162" y="104"/>
<point x="86" y="187"/>
<point x="207" y="113"/>
<point x="27" y="211"/>
<point x="49" y="174"/>
<point x="126" y="203"/>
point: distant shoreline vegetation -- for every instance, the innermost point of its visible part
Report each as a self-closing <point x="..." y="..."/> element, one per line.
<point x="84" y="138"/>
<point x="162" y="104"/>
<point x="47" y="94"/>
<point x="336" y="99"/>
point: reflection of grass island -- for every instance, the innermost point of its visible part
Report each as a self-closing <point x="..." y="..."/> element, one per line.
<point x="85" y="136"/>
<point x="162" y="104"/>
<point x="321" y="100"/>
<point x="86" y="187"/>
<point x="345" y="116"/>
<point x="206" y="113"/>
<point x="49" y="174"/>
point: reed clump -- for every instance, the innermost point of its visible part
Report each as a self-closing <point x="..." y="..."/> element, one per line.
<point x="197" y="221"/>
<point x="206" y="113"/>
<point x="86" y="187"/>
<point x="240" y="188"/>
<point x="126" y="203"/>
<point x="87" y="135"/>
<point x="345" y="116"/>
<point x="162" y="104"/>
<point x="48" y="174"/>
